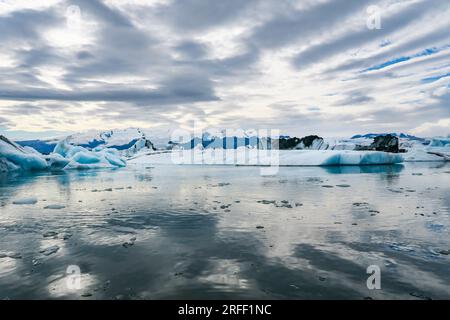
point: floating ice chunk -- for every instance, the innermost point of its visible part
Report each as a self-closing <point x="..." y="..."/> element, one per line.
<point x="50" y="234"/>
<point x="55" y="207"/>
<point x="113" y="157"/>
<point x="440" y="142"/>
<point x="50" y="250"/>
<point x="14" y="157"/>
<point x="80" y="158"/>
<point x="56" y="161"/>
<point x="86" y="157"/>
<point x="30" y="200"/>
<point x="62" y="148"/>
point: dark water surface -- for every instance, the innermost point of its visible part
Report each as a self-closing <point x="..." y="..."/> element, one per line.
<point x="169" y="232"/>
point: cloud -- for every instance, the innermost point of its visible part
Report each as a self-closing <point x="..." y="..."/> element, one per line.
<point x="177" y="91"/>
<point x="300" y="66"/>
<point x="4" y="122"/>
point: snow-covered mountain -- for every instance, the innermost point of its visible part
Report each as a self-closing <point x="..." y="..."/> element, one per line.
<point x="129" y="140"/>
<point x="398" y="135"/>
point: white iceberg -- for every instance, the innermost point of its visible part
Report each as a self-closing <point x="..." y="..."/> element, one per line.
<point x="253" y="157"/>
<point x="436" y="150"/>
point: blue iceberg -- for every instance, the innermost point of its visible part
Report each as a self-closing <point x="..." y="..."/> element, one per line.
<point x="81" y="158"/>
<point x="14" y="157"/>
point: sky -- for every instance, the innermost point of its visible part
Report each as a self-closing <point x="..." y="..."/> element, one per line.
<point x="327" y="67"/>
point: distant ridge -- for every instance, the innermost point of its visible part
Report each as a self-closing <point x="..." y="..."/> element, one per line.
<point x="399" y="135"/>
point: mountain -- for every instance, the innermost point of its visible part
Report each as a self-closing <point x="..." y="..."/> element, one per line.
<point x="398" y="135"/>
<point x="122" y="140"/>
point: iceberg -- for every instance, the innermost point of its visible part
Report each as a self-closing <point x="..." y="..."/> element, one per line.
<point x="252" y="157"/>
<point x="436" y="150"/>
<point x="14" y="157"/>
<point x="440" y="142"/>
<point x="80" y="158"/>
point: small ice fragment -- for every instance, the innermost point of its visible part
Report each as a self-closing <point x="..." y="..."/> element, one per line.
<point x="67" y="236"/>
<point x="31" y="200"/>
<point x="36" y="262"/>
<point x="50" y="250"/>
<point x="55" y="207"/>
<point x="267" y="201"/>
<point x="50" y="234"/>
<point x="130" y="243"/>
<point x="420" y="296"/>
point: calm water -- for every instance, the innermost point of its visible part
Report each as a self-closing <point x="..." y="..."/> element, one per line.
<point x="169" y="232"/>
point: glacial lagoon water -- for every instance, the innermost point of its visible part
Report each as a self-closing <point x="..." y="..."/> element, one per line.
<point x="190" y="232"/>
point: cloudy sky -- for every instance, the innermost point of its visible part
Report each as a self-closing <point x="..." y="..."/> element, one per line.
<point x="302" y="66"/>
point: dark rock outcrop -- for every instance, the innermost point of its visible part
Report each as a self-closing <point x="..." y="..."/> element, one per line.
<point x="288" y="143"/>
<point x="309" y="142"/>
<point x="149" y="145"/>
<point x="387" y="143"/>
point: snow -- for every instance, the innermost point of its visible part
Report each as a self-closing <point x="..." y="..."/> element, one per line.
<point x="419" y="152"/>
<point x="117" y="138"/>
<point x="318" y="144"/>
<point x="251" y="157"/>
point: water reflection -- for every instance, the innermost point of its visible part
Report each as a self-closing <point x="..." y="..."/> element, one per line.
<point x="224" y="232"/>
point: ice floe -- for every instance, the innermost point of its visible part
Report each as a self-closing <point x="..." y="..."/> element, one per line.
<point x="23" y="201"/>
<point x="251" y="157"/>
